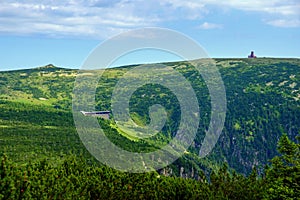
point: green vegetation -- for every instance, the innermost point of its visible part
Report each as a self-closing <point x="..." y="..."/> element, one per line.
<point x="37" y="133"/>
<point x="72" y="178"/>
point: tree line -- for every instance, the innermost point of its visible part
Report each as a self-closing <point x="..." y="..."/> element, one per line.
<point x="73" y="178"/>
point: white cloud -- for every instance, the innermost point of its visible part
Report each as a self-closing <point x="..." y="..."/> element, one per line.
<point x="103" y="18"/>
<point x="271" y="6"/>
<point x="69" y="18"/>
<point x="207" y="25"/>
<point x="284" y="23"/>
<point x="282" y="13"/>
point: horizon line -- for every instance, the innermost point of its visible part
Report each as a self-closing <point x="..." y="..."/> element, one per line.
<point x="141" y="63"/>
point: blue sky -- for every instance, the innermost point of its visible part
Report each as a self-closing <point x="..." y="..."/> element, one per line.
<point x="35" y="33"/>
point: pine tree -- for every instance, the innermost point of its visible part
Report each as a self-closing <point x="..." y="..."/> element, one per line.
<point x="283" y="176"/>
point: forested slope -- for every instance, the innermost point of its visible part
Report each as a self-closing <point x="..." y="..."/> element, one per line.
<point x="262" y="103"/>
<point x="72" y="178"/>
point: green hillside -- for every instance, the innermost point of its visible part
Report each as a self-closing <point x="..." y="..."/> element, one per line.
<point x="262" y="103"/>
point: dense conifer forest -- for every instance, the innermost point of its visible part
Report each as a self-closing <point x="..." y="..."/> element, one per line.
<point x="256" y="156"/>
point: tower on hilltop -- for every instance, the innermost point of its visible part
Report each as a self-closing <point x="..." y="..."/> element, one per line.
<point x="252" y="55"/>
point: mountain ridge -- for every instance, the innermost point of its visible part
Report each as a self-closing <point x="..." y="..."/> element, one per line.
<point x="50" y="65"/>
<point x="262" y="97"/>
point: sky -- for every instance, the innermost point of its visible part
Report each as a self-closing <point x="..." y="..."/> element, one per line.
<point x="64" y="32"/>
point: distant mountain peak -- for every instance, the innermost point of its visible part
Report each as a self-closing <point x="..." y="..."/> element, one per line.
<point x="49" y="66"/>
